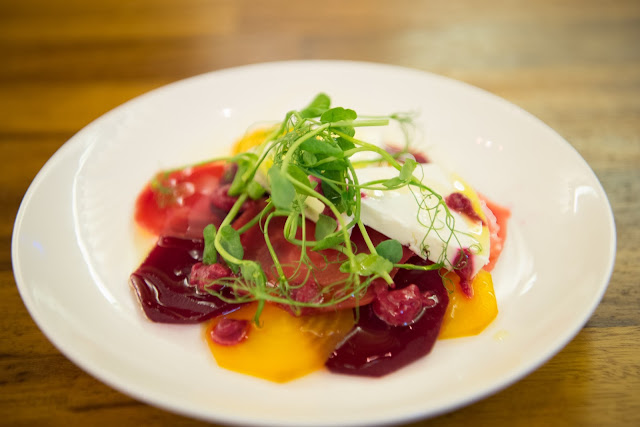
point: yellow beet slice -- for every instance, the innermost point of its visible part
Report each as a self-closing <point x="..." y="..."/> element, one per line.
<point x="284" y="347"/>
<point x="250" y="140"/>
<point x="469" y="316"/>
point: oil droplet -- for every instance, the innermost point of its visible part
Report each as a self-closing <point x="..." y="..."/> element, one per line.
<point x="501" y="335"/>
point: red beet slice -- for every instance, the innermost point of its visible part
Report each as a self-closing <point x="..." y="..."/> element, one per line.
<point x="375" y="348"/>
<point x="461" y="204"/>
<point x="230" y="331"/>
<point x="203" y="274"/>
<point x="162" y="285"/>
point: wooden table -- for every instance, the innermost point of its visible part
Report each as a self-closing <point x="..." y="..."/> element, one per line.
<point x="574" y="64"/>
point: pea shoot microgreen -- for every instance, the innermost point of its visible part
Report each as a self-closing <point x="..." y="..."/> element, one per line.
<point x="306" y="160"/>
<point x="210" y="254"/>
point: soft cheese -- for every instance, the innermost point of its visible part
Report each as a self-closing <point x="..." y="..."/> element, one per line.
<point x="419" y="220"/>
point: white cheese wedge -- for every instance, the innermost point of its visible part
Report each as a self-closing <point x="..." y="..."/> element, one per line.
<point x="419" y="220"/>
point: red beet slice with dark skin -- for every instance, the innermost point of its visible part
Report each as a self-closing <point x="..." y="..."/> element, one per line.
<point x="375" y="348"/>
<point x="162" y="285"/>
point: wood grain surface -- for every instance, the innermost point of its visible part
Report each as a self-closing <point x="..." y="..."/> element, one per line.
<point x="574" y="64"/>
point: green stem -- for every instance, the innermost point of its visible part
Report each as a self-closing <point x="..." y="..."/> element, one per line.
<point x="419" y="267"/>
<point x="255" y="219"/>
<point x="287" y="158"/>
<point x="227" y="221"/>
<point x="272" y="252"/>
<point x="360" y="123"/>
<point x="334" y="210"/>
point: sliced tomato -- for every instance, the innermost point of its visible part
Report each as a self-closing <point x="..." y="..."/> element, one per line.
<point x="179" y="203"/>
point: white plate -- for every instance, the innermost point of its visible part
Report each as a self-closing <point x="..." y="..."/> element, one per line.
<point x="74" y="246"/>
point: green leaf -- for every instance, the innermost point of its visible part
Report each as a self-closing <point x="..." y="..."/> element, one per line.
<point x="348" y="200"/>
<point x="283" y="192"/>
<point x="299" y="175"/>
<point x="319" y="105"/>
<point x="375" y="264"/>
<point x="329" y="242"/>
<point x="393" y="182"/>
<point x="255" y="190"/>
<point x="239" y="182"/>
<point x="390" y="249"/>
<point x="336" y="165"/>
<point x="407" y="169"/>
<point x="230" y="242"/>
<point x="345" y="267"/>
<point x="321" y="146"/>
<point x="291" y="226"/>
<point x="252" y="273"/>
<point x="308" y="158"/>
<point x="302" y="177"/>
<point x="349" y="130"/>
<point x="367" y="265"/>
<point x="359" y="259"/>
<point x="338" y="114"/>
<point x="210" y="254"/>
<point x="331" y="193"/>
<point x="345" y="144"/>
<point x="406" y="173"/>
<point x="325" y="226"/>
